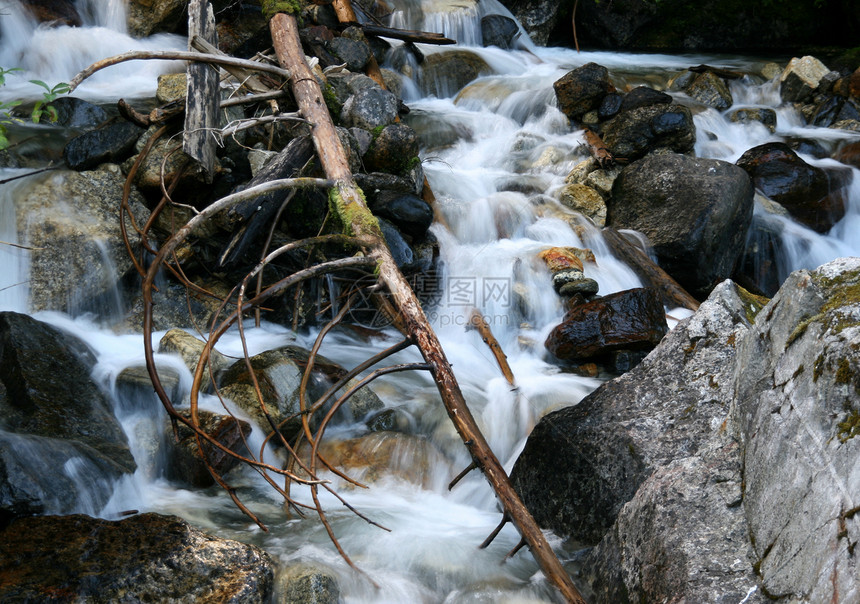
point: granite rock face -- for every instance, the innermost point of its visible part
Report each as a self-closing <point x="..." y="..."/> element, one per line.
<point x="146" y="558"/>
<point x="797" y="413"/>
<point x="723" y="467"/>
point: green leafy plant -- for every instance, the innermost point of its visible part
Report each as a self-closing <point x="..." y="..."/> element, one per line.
<point x="44" y="106"/>
<point x="6" y="118"/>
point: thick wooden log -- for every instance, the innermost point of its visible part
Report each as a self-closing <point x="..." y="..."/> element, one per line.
<point x="348" y="201"/>
<point x="670" y="290"/>
<point x="202" y="95"/>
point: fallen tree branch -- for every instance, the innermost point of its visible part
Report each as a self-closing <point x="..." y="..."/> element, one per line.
<point x="172" y="55"/>
<point x="348" y="202"/>
<point x="407" y="35"/>
<point x="658" y="279"/>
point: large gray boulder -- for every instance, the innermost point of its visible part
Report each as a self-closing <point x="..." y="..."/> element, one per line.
<point x="581" y="464"/>
<point x="146" y="558"/>
<point x="683" y="536"/>
<point x="61" y="444"/>
<point x="747" y="494"/>
<point x="797" y="413"/>
<point x="71" y="218"/>
<point x="695" y="212"/>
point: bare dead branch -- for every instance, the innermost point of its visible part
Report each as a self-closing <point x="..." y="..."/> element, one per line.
<point x="173" y="55"/>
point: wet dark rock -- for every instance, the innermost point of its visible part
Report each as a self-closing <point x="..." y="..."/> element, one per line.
<point x="643" y="96"/>
<point x="135" y="391"/>
<point x="279" y="374"/>
<point x="369" y="108"/>
<point x="400" y="250"/>
<point x="498" y="30"/>
<point x="582" y="89"/>
<point x="762" y="115"/>
<point x="695" y="212"/>
<point x="56" y="12"/>
<point x="804" y="190"/>
<point x="632" y="134"/>
<point x="538" y="17"/>
<point x="759" y="266"/>
<point x="392" y="150"/>
<point x="62" y="445"/>
<point x="610" y="106"/>
<point x="146" y="558"/>
<point x="581" y="464"/>
<point x="49" y="392"/>
<point x="112" y="142"/>
<point x="835" y="109"/>
<point x="849" y="154"/>
<point x="73" y="112"/>
<point x="409" y="213"/>
<point x="705" y="87"/>
<point x="354" y="53"/>
<point x="631" y="319"/>
<point x="185" y="463"/>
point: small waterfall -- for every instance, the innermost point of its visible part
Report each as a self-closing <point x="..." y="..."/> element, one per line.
<point x="57" y="54"/>
<point x="14" y="289"/>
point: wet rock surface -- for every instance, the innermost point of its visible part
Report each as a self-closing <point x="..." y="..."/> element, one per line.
<point x="632" y="134"/>
<point x="695" y="212"/>
<point x="627" y="320"/>
<point x="61" y="445"/>
<point x="187" y="463"/>
<point x="802" y="189"/>
<point x="581" y="464"/>
<point x="72" y="218"/>
<point x="112" y="142"/>
<point x="582" y="90"/>
<point x="146" y="558"/>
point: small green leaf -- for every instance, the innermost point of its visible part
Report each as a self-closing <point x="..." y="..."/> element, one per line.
<point x="41" y="83"/>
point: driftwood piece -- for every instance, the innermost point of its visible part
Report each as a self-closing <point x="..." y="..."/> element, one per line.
<point x="245" y="76"/>
<point x="599" y="150"/>
<point x="252" y="216"/>
<point x="407" y="35"/>
<point x="348" y="202"/>
<point x="172" y="55"/>
<point x="670" y="290"/>
<point x="202" y="94"/>
<point x="728" y="74"/>
<point x="477" y="321"/>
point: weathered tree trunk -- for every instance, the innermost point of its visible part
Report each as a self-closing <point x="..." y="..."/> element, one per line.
<point x="202" y="96"/>
<point x="348" y="202"/>
<point x="670" y="290"/>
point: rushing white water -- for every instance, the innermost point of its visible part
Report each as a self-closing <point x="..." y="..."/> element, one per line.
<point x="56" y="54"/>
<point x="506" y="131"/>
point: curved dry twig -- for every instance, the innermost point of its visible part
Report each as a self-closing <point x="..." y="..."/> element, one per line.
<point x="173" y="55"/>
